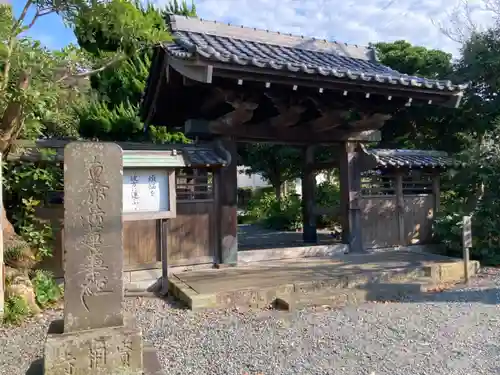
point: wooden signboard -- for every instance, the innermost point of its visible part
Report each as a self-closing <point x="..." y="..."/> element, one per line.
<point x="467" y="244"/>
<point x="148" y="193"/>
<point x="467" y="232"/>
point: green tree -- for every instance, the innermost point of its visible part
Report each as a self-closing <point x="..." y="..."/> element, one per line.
<point x="38" y="87"/>
<point x="275" y="163"/>
<point x="419" y="127"/>
<point x="473" y="188"/>
<point x="112" y="114"/>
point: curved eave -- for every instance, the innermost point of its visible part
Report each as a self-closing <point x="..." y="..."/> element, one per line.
<point x="184" y="50"/>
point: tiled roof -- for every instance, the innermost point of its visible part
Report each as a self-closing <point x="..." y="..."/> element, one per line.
<point x="412" y="158"/>
<point x="219" y="42"/>
<point x="179" y="155"/>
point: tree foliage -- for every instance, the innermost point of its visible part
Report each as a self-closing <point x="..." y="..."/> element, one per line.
<point x="473" y="189"/>
<point x="419" y="127"/>
<point x="46" y="93"/>
<point x="112" y="113"/>
<point x="275" y="163"/>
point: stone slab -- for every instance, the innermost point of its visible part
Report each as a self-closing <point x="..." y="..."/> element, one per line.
<point x="93" y="240"/>
<point x="385" y="275"/>
<point x="103" y="351"/>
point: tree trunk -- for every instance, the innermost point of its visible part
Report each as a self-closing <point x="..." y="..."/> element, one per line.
<point x="8" y="229"/>
<point x="12" y="117"/>
<point x="10" y="127"/>
<point x="277" y="185"/>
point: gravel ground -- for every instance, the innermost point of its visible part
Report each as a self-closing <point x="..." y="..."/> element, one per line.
<point x="453" y="332"/>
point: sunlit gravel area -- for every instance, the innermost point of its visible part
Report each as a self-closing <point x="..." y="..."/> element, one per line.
<point x="453" y="332"/>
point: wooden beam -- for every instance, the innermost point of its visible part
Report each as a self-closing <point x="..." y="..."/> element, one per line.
<point x="330" y="119"/>
<point x="295" y="135"/>
<point x="287" y="118"/>
<point x="324" y="165"/>
<point x="196" y="72"/>
<point x="371" y="121"/>
<point x="216" y="97"/>
<point x="290" y="109"/>
<point x="243" y="112"/>
<point x="299" y="135"/>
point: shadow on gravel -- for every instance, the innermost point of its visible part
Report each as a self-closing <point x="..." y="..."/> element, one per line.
<point x="154" y="291"/>
<point x="410" y="293"/>
<point x="36" y="367"/>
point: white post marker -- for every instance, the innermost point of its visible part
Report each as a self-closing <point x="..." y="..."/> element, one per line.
<point x="467" y="244"/>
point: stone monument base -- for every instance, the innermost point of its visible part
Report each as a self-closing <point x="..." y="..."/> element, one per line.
<point x="103" y="351"/>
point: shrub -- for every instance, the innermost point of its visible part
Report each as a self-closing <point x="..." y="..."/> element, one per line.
<point x="244" y="195"/>
<point x="15" y="310"/>
<point x="26" y="186"/>
<point x="474" y="192"/>
<point x="264" y="208"/>
<point x="485" y="231"/>
<point x="284" y="216"/>
<point x="47" y="292"/>
<point x="328" y="195"/>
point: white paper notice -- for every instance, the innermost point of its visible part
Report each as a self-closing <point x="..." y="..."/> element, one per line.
<point x="145" y="190"/>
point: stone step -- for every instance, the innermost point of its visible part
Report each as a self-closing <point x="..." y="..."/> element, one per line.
<point x="335" y="289"/>
<point x="391" y="291"/>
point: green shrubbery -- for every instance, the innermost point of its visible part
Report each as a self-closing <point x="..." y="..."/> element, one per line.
<point x="284" y="215"/>
<point x="474" y="191"/>
<point x="15" y="310"/>
<point x="47" y="292"/>
<point x="25" y="189"/>
<point x="263" y="208"/>
<point x="485" y="230"/>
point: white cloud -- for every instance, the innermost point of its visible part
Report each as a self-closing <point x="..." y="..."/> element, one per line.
<point x="349" y="21"/>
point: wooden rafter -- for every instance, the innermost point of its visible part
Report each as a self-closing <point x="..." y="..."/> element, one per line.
<point x="243" y="112"/>
<point x="290" y="109"/>
<point x="371" y="121"/>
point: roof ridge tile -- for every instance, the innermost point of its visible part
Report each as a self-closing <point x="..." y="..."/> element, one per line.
<point x="217" y="28"/>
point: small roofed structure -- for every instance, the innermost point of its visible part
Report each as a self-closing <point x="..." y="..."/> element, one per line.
<point x="411" y="159"/>
<point x="400" y="192"/>
<point x="178" y="155"/>
<point x="237" y="84"/>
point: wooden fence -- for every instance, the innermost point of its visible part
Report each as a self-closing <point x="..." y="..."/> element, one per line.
<point x="398" y="209"/>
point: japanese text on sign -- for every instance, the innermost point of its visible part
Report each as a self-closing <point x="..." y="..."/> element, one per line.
<point x="467" y="232"/>
<point x="145" y="190"/>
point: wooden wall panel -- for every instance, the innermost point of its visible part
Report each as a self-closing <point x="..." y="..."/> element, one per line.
<point x="379" y="221"/>
<point x="419" y="213"/>
<point x="140" y="244"/>
<point x="191" y="235"/>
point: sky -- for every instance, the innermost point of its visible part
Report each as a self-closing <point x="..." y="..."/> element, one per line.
<point x="349" y="21"/>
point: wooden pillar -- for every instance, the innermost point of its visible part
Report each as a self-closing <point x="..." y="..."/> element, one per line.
<point x="162" y="230"/>
<point x="350" y="193"/>
<point x="309" y="234"/>
<point x="436" y="192"/>
<point x="226" y="201"/>
<point x="400" y="208"/>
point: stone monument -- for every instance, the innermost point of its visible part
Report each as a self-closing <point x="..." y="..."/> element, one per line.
<point x="95" y="337"/>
